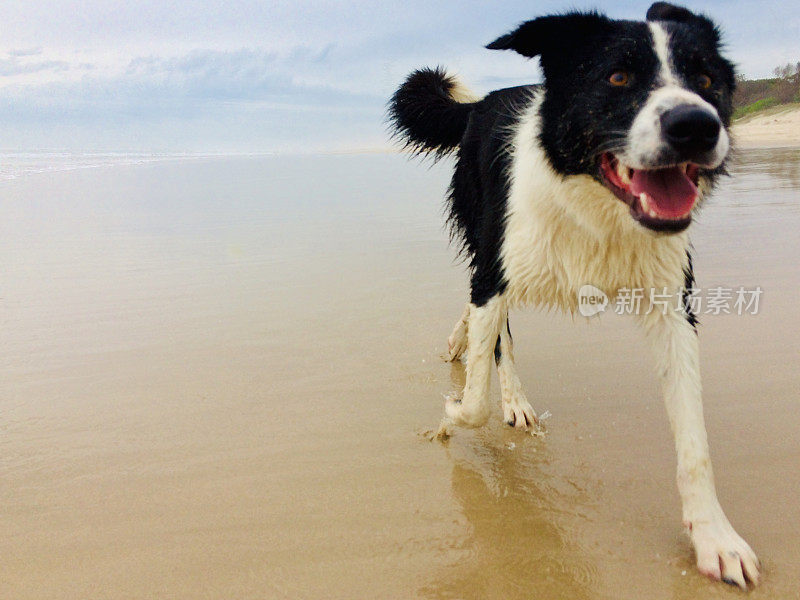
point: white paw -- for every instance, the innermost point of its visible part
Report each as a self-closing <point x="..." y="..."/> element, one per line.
<point x="456" y="345"/>
<point x="457" y="342"/>
<point x="721" y="553"/>
<point x="472" y="414"/>
<point x="517" y="412"/>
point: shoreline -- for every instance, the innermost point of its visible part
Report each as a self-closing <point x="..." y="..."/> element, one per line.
<point x="776" y="127"/>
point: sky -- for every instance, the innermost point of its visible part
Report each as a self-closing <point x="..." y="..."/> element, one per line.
<point x="275" y="75"/>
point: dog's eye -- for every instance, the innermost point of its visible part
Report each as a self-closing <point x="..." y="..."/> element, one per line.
<point x="703" y="81"/>
<point x="619" y="78"/>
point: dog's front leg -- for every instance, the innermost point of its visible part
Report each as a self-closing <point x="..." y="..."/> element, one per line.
<point x="472" y="409"/>
<point x="721" y="552"/>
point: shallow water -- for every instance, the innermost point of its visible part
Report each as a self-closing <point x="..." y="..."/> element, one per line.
<point x="215" y="373"/>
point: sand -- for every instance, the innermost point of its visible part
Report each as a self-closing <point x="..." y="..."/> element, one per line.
<point x="215" y="375"/>
<point x="776" y="127"/>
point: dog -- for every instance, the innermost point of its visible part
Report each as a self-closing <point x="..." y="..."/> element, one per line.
<point x="592" y="177"/>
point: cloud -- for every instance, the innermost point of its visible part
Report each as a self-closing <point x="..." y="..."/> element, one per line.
<point x="25" y="61"/>
<point x="25" y="51"/>
<point x="238" y="75"/>
<point x="13" y="65"/>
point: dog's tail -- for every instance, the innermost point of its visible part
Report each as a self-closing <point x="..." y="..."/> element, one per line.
<point x="430" y="111"/>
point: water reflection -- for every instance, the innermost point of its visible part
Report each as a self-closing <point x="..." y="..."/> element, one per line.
<point x="518" y="543"/>
<point x="761" y="182"/>
<point x="782" y="163"/>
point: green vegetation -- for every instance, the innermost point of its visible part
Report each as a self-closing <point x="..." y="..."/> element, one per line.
<point x="756" y="95"/>
<point x="758" y="105"/>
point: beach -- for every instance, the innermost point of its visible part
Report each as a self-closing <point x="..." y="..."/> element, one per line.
<point x="217" y="374"/>
<point x="774" y="128"/>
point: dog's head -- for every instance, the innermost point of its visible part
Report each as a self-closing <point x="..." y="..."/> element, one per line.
<point x="643" y="107"/>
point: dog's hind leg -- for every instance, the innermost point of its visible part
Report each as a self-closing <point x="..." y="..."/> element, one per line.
<point x="517" y="411"/>
<point x="483" y="327"/>
<point x="457" y="342"/>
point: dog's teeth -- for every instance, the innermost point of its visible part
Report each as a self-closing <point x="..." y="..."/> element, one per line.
<point x="685" y="167"/>
<point x="624" y="173"/>
<point x="643" y="198"/>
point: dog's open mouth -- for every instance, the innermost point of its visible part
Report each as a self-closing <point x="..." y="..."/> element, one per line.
<point x="659" y="199"/>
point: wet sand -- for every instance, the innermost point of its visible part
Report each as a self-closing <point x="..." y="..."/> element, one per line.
<point x="215" y="374"/>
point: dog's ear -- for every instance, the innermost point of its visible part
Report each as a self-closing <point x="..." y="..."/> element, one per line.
<point x="533" y="38"/>
<point x="663" y="11"/>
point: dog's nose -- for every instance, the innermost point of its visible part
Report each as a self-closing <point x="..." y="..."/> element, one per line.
<point x="690" y="130"/>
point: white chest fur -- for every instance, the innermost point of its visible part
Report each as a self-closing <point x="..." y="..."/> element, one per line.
<point x="565" y="232"/>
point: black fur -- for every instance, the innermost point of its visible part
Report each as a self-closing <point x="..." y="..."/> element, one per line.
<point x="688" y="286"/>
<point x="497" y="353"/>
<point x="696" y="51"/>
<point x="425" y="116"/>
<point x="583" y="115"/>
<point x="663" y="11"/>
<point x="479" y="188"/>
<point x="537" y="37"/>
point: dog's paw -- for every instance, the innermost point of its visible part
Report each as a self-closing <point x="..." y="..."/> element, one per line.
<point x="466" y="414"/>
<point x="440" y="434"/>
<point x="722" y="554"/>
<point x="518" y="412"/>
<point x="456" y="346"/>
<point x="457" y="342"/>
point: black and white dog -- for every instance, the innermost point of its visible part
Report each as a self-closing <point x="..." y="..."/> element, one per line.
<point x="590" y="178"/>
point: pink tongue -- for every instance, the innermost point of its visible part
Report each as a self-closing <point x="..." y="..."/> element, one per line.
<point x="671" y="192"/>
